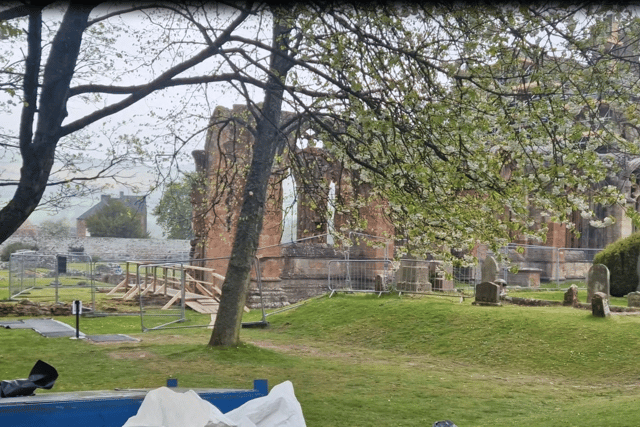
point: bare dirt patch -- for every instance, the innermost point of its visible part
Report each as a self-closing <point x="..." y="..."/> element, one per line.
<point x="296" y="349"/>
<point x="131" y="355"/>
<point x="325" y="351"/>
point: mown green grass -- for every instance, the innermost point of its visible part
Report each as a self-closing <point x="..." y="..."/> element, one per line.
<point x="360" y="360"/>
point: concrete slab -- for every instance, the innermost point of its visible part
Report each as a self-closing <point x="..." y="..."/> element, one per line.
<point x="45" y="327"/>
<point x="112" y="338"/>
<point x="18" y="324"/>
<point x="52" y="328"/>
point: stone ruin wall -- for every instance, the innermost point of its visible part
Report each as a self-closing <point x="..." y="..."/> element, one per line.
<point x="107" y="248"/>
<point x="296" y="271"/>
<point x="224" y="163"/>
<point x="290" y="272"/>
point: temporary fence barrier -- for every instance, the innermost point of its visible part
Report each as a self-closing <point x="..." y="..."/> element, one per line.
<point x="39" y="276"/>
<point x="111" y="269"/>
<point x="360" y="276"/>
<point x="542" y="267"/>
<point x="430" y="276"/>
<point x="573" y="264"/>
<point x="23" y="273"/>
<point x="165" y="289"/>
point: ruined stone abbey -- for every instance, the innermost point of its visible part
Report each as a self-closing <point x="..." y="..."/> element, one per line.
<point x="297" y="270"/>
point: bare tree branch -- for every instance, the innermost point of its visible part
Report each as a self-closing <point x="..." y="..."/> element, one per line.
<point x="157" y="83"/>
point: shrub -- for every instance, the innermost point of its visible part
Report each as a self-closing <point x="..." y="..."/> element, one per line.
<point x="621" y="258"/>
<point x="116" y="220"/>
<point x="13" y="247"/>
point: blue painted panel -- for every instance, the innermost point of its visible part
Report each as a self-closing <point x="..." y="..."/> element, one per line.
<point x="103" y="408"/>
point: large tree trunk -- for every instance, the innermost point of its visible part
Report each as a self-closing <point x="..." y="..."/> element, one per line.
<point x="38" y="151"/>
<point x="226" y="330"/>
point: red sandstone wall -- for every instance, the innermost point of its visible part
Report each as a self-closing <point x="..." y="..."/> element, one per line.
<point x="556" y="235"/>
<point x="227" y="158"/>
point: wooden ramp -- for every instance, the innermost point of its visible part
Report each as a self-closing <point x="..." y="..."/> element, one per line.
<point x="204" y="306"/>
<point x="201" y="296"/>
<point x="201" y="303"/>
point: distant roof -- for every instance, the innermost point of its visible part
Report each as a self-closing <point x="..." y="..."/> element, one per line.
<point x="135" y="203"/>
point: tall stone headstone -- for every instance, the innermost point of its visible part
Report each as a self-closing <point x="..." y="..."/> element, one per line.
<point x="489" y="270"/>
<point x="600" y="305"/>
<point x="487" y="293"/>
<point x="597" y="281"/>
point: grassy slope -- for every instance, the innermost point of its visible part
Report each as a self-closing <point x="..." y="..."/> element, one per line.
<point x="361" y="360"/>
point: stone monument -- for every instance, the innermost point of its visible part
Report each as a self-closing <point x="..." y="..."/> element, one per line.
<point x="487" y="293"/>
<point x="489" y="270"/>
<point x="600" y="305"/>
<point x="633" y="299"/>
<point x="597" y="281"/>
<point x="571" y="296"/>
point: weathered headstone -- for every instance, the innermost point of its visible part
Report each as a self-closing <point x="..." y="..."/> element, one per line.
<point x="600" y="305"/>
<point x="571" y="296"/>
<point x="489" y="270"/>
<point x="379" y="283"/>
<point x="487" y="293"/>
<point x="633" y="299"/>
<point x="597" y="281"/>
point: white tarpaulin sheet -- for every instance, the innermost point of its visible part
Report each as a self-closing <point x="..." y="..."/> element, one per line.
<point x="164" y="407"/>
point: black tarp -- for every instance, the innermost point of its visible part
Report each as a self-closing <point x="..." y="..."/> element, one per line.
<point x="42" y="375"/>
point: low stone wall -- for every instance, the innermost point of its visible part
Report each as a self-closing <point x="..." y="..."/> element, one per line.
<point x="28" y="308"/>
<point x="108" y="248"/>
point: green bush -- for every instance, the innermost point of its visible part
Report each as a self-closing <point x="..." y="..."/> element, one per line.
<point x="13" y="247"/>
<point x="621" y="258"/>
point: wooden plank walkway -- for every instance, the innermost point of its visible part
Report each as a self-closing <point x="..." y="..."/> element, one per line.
<point x="200" y="303"/>
<point x="202" y="297"/>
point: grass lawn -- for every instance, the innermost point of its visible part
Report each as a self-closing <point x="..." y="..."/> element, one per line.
<point x="360" y="360"/>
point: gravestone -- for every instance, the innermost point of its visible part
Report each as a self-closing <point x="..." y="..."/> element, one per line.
<point x="600" y="305"/>
<point x="487" y="293"/>
<point x="597" y="281"/>
<point x="571" y="296"/>
<point x="379" y="283"/>
<point x="489" y="270"/>
<point x="633" y="299"/>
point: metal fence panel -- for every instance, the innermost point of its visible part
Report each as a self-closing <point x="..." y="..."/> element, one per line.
<point x="167" y="289"/>
<point x="574" y="264"/>
<point x="543" y="267"/>
<point x="23" y="273"/>
<point x="422" y="276"/>
<point x="161" y="291"/>
<point x="52" y="278"/>
<point x="360" y="276"/>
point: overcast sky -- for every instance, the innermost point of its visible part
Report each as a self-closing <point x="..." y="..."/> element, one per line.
<point x="137" y="124"/>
